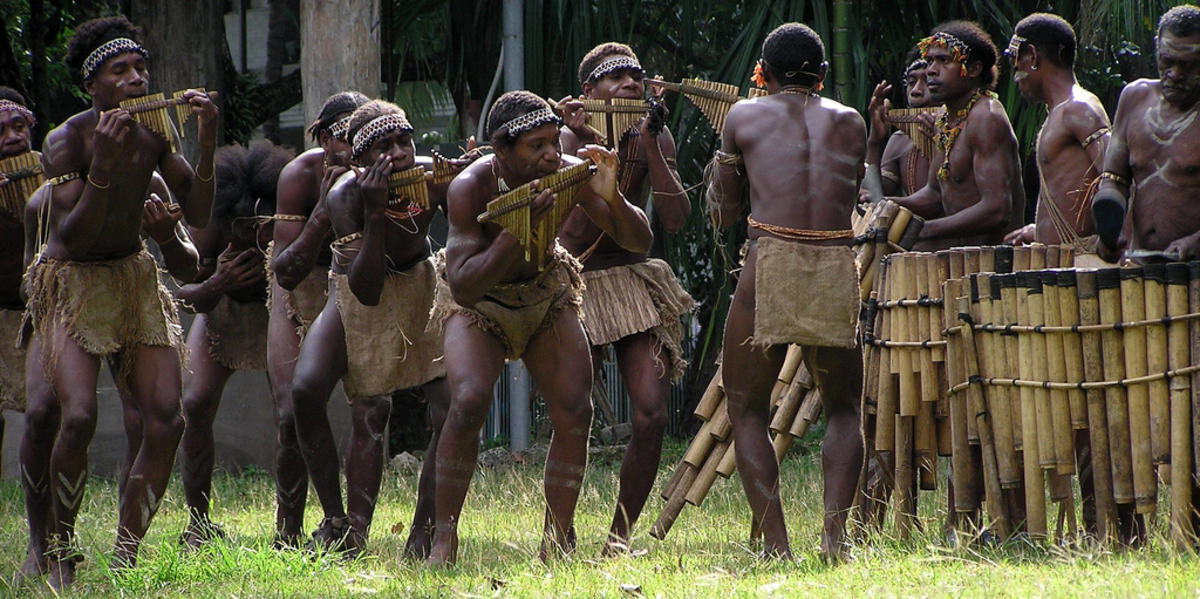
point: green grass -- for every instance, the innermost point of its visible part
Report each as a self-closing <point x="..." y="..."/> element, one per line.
<point x="705" y="555"/>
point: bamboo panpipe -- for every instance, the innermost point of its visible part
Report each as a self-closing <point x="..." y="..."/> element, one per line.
<point x="1133" y="308"/>
<point x="714" y="99"/>
<point x="609" y="119"/>
<point x="1178" y="356"/>
<point x="1056" y="370"/>
<point x="1108" y="289"/>
<point x="24" y="173"/>
<point x="150" y="111"/>
<point x="408" y="185"/>
<point x="908" y="121"/>
<point x="512" y="210"/>
<point x="1155" y="290"/>
<point x="1093" y="370"/>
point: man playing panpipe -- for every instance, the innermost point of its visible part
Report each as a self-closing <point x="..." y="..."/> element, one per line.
<point x="497" y="305"/>
<point x="16" y="138"/>
<point x="1155" y="149"/>
<point x="1070" y="151"/>
<point x="802" y="155"/>
<point x="229" y="296"/>
<point x="1071" y="143"/>
<point x="974" y="194"/>
<point x="298" y="284"/>
<point x="95" y="293"/>
<point x="630" y="300"/>
<point x="374" y="332"/>
<point x="902" y="168"/>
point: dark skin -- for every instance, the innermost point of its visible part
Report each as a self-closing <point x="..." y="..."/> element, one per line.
<point x="15" y="138"/>
<point x="1155" y="146"/>
<point x="356" y="203"/>
<point x="42" y="414"/>
<point x="803" y="157"/>
<point x="1066" y="166"/>
<point x="101" y="220"/>
<point x="899" y="150"/>
<point x="649" y="383"/>
<point x="235" y="268"/>
<point x="983" y="198"/>
<point x="299" y="247"/>
<point x="479" y="256"/>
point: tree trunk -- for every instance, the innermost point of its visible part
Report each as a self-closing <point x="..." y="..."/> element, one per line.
<point x="339" y="50"/>
<point x="186" y="47"/>
<point x="279" y="29"/>
<point x="39" y="88"/>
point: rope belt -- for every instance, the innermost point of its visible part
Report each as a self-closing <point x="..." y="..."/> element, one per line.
<point x="800" y="234"/>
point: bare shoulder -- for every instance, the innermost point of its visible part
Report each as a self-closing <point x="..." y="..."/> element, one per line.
<point x="843" y="115"/>
<point x="1139" y="92"/>
<point x="61" y="148"/>
<point x="303" y="165"/>
<point x="1084" y="110"/>
<point x="470" y="184"/>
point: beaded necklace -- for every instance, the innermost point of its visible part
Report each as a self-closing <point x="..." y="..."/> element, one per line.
<point x="948" y="134"/>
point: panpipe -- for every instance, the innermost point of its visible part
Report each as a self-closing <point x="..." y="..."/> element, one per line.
<point x="911" y="363"/>
<point x="908" y="121"/>
<point x="444" y="169"/>
<point x="512" y="209"/>
<point x="714" y="99"/>
<point x="610" y="118"/>
<point x="24" y="173"/>
<point x="151" y="112"/>
<point x="408" y="185"/>
<point x="795" y="406"/>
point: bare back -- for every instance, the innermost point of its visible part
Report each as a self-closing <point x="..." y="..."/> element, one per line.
<point x="803" y="157"/>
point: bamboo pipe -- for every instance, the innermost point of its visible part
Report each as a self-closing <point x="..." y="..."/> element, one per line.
<point x="713" y="396"/>
<point x="1133" y="308"/>
<point x="1011" y="346"/>
<point x="1108" y="289"/>
<point x="1037" y="347"/>
<point x="1060" y="404"/>
<point x="994" y="362"/>
<point x="1156" y="361"/>
<point x="960" y="456"/>
<point x="977" y="407"/>
<point x="1093" y="371"/>
<point x="704" y="478"/>
<point x="1179" y="356"/>
<point x="1035" y="487"/>
<point x="1072" y="347"/>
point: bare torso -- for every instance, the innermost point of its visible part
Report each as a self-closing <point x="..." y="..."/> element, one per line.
<point x="1066" y="166"/>
<point x="406" y="241"/>
<point x="910" y="167"/>
<point x="1164" y="157"/>
<point x="299" y="191"/>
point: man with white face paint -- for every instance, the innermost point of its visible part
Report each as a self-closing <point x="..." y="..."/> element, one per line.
<point x="1154" y="157"/>
<point x="1071" y="143"/>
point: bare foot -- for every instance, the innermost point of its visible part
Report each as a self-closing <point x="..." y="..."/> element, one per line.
<point x="444" y="551"/>
<point x="62" y="573"/>
<point x="331" y="535"/>
<point x="614" y="546"/>
<point x="199" y="533"/>
<point x="419" y="542"/>
<point x="556" y="542"/>
<point x="35" y="565"/>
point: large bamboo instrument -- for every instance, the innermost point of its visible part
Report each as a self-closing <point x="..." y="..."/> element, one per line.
<point x="151" y="112"/>
<point x="24" y="173"/>
<point x="714" y="99"/>
<point x="512" y="209"/>
<point x="908" y="121"/>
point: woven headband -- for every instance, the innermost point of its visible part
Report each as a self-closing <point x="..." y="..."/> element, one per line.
<point x="340" y="127"/>
<point x="1014" y="45"/>
<point x="7" y="105"/>
<point x="941" y="39"/>
<point x="530" y="120"/>
<point x="108" y="50"/>
<point x="614" y="64"/>
<point x="917" y="65"/>
<point x="377" y="128"/>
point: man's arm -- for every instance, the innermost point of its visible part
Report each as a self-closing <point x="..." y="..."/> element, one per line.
<point x="927" y="201"/>
<point x="889" y="163"/>
<point x="357" y="205"/>
<point x="81" y="205"/>
<point x="670" y="201"/>
<point x="179" y="254"/>
<point x="194" y="188"/>
<point x="726" y="195"/>
<point x="473" y="263"/>
<point x="221" y="271"/>
<point x="603" y="203"/>
<point x="1109" y="203"/>
<point x="298" y="244"/>
<point x="994" y="148"/>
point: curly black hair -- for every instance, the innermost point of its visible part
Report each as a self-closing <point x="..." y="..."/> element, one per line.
<point x="597" y="55"/>
<point x="1183" y="20"/>
<point x="794" y="48"/>
<point x="980" y="46"/>
<point x="91" y="34"/>
<point x="508" y="107"/>
<point x="12" y="95"/>
<point x="1052" y="35"/>
<point x="335" y="107"/>
<point x="246" y="180"/>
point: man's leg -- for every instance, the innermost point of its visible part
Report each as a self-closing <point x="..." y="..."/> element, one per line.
<point x="420" y="534"/>
<point x="74" y="384"/>
<point x="474" y="359"/>
<point x="291" y="475"/>
<point x="155" y="386"/>
<point x="364" y="465"/>
<point x="559" y="360"/>
<point x="322" y="362"/>
<point x="749" y="373"/>
<point x="838" y="374"/>
<point x="646" y="368"/>
<point x="202" y="387"/>
<point x="42" y="418"/>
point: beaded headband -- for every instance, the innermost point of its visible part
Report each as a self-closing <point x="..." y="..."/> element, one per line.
<point x="959" y="50"/>
<point x="340" y="127"/>
<point x="614" y="64"/>
<point x="917" y="65"/>
<point x="530" y="120"/>
<point x="7" y="105"/>
<point x="108" y="50"/>
<point x="376" y="128"/>
<point x="1014" y="45"/>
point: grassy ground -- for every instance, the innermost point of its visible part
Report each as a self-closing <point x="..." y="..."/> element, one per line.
<point x="705" y="554"/>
